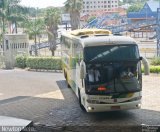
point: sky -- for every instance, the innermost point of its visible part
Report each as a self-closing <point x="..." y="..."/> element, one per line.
<point x="42" y="3"/>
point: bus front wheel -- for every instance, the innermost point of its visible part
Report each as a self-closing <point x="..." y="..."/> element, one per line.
<point x="80" y="102"/>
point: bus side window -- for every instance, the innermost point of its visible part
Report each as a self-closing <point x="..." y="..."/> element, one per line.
<point x="78" y="52"/>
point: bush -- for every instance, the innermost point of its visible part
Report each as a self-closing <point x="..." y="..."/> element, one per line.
<point x="21" y="61"/>
<point x="155" y="61"/>
<point x="48" y="63"/>
<point x="153" y="69"/>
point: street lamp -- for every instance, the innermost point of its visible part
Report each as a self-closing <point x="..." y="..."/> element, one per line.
<point x="146" y="22"/>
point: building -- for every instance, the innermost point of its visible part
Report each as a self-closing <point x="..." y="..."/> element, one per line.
<point x="14" y="44"/>
<point x="93" y="6"/>
<point x="148" y="12"/>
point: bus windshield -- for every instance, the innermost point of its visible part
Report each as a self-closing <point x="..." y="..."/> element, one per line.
<point x="111" y="53"/>
<point x="115" y="67"/>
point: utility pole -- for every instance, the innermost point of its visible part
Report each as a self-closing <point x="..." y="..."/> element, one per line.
<point x="158" y="31"/>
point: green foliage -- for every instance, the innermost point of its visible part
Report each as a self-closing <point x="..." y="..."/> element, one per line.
<point x="10" y="12"/>
<point x="34" y="27"/>
<point x="155" y="61"/>
<point x="133" y="1"/>
<point x="155" y="69"/>
<point x="21" y="61"/>
<point x="91" y="18"/>
<point x="135" y="7"/>
<point x="48" y="63"/>
<point x="52" y="19"/>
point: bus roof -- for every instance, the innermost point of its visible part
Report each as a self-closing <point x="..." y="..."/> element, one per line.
<point x="97" y="37"/>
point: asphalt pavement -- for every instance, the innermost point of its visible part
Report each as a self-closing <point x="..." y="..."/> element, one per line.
<point x="44" y="98"/>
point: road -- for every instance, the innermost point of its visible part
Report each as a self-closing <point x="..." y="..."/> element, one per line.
<point x="44" y="98"/>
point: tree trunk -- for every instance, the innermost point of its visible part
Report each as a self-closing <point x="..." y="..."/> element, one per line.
<point x="75" y="20"/>
<point x="52" y="52"/>
<point x="52" y="38"/>
<point x="35" y="41"/>
<point x="16" y="27"/>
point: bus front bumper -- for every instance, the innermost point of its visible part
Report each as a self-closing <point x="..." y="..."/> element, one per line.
<point x="112" y="107"/>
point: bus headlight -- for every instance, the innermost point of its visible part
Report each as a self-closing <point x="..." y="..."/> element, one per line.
<point x="136" y="98"/>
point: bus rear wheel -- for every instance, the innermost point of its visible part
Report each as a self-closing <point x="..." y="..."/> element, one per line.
<point x="65" y="75"/>
<point x="68" y="85"/>
<point x="80" y="102"/>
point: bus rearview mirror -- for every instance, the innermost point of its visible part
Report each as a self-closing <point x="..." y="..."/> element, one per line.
<point x="140" y="58"/>
<point x="146" y="66"/>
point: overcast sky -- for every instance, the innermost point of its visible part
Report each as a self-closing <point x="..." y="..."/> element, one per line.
<point x="42" y="3"/>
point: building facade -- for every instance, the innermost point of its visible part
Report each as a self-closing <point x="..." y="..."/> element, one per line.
<point x="92" y="6"/>
<point x="14" y="44"/>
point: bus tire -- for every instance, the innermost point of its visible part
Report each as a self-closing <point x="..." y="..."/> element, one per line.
<point x="80" y="103"/>
<point x="68" y="85"/>
<point x="65" y="75"/>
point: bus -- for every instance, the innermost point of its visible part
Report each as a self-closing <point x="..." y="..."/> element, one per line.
<point x="103" y="69"/>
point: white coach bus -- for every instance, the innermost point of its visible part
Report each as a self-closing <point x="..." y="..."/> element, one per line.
<point x="104" y="70"/>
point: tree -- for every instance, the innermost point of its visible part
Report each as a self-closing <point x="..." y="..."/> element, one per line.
<point x="135" y="8"/>
<point x="34" y="27"/>
<point x="10" y="12"/>
<point x="52" y="19"/>
<point x="91" y="18"/>
<point x="74" y="7"/>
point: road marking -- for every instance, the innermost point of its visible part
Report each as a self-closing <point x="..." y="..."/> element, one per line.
<point x="53" y="95"/>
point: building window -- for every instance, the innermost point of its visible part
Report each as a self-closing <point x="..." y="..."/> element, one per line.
<point x="104" y="1"/>
<point x="87" y="6"/>
<point x="7" y="46"/>
<point x="109" y="6"/>
<point x="108" y="1"/>
<point x="23" y="45"/>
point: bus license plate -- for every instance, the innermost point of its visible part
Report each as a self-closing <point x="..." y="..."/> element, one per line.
<point x="115" y="108"/>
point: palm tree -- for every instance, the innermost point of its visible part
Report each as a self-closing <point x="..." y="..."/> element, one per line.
<point x="52" y="19"/>
<point x="34" y="27"/>
<point x="10" y="12"/>
<point x="74" y="7"/>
